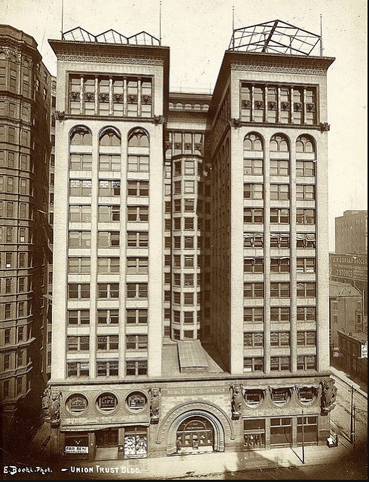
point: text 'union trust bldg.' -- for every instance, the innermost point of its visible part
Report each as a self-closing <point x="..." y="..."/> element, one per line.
<point x="190" y="293"/>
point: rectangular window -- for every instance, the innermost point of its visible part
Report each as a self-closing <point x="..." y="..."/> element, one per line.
<point x="305" y="168"/>
<point x="78" y="343"/>
<point x="79" y="265"/>
<point x="280" y="363"/>
<point x="108" y="317"/>
<point x="279" y="314"/>
<point x="108" y="265"/>
<point x="138" y="163"/>
<point x="253" y="191"/>
<point x="80" y="213"/>
<point x="279" y="240"/>
<point x="306" y="362"/>
<point x="138" y="188"/>
<point x="109" y="162"/>
<point x="279" y="338"/>
<point x="306" y="313"/>
<point x="253" y="339"/>
<point x="253" y="240"/>
<point x="137" y="316"/>
<point x="305" y="216"/>
<point x="279" y="192"/>
<point x="136" y="368"/>
<point x="137" y="290"/>
<point x="305" y="265"/>
<point x="253" y="265"/>
<point x="253" y="315"/>
<point x="80" y="162"/>
<point x="137" y="213"/>
<point x="279" y="216"/>
<point x="280" y="265"/>
<point x="305" y="192"/>
<point x="78" y="369"/>
<point x="79" y="187"/>
<point x="108" y="214"/>
<point x="137" y="239"/>
<point x="137" y="265"/>
<point x="306" y="338"/>
<point x="279" y="290"/>
<point x="79" y="317"/>
<point x="279" y="167"/>
<point x="136" y="342"/>
<point x="108" y="342"/>
<point x="79" y="239"/>
<point x="253" y="215"/>
<point x="108" y="239"/>
<point x="253" y="364"/>
<point x="108" y="290"/>
<point x="109" y="188"/>
<point x="78" y="291"/>
<point x="306" y="290"/>
<point x="253" y="290"/>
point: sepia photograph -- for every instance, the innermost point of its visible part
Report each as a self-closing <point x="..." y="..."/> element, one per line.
<point x="183" y="240"/>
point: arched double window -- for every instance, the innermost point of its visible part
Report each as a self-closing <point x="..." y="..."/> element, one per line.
<point x="305" y="156"/>
<point x="279" y="143"/>
<point x="138" y="150"/>
<point x="253" y="154"/>
<point x="81" y="136"/>
<point x="110" y="137"/>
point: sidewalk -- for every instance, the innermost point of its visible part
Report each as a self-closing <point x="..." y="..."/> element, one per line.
<point x="216" y="463"/>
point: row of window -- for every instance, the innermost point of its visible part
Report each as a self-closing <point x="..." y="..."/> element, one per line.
<point x="278" y="104"/>
<point x="108" y="317"/>
<point x="279" y="240"/>
<point x="280" y="314"/>
<point x="113" y="95"/>
<point x="10" y="184"/>
<point x="106" y="342"/>
<point x="106" y="368"/>
<point x="11" y="259"/>
<point x="14" y="360"/>
<point x="279" y="338"/>
<point x="14" y="335"/>
<point x="280" y="290"/>
<point x="279" y="265"/>
<point x="107" y="290"/>
<point x="10" y="159"/>
<point x="255" y="167"/>
<point x="279" y="363"/>
<point x="304" y="192"/>
<point x="15" y="285"/>
<point x="12" y="234"/>
<point x="278" y="216"/>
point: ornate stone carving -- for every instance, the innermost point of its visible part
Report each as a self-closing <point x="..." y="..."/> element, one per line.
<point x="59" y="115"/>
<point x="297" y="107"/>
<point x="159" y="119"/>
<point x="328" y="398"/>
<point x="285" y="105"/>
<point x="74" y="96"/>
<point x="51" y="406"/>
<point x="279" y="69"/>
<point x="103" y="97"/>
<point x="146" y="99"/>
<point x="132" y="99"/>
<point x="118" y="98"/>
<point x="234" y="123"/>
<point x="89" y="96"/>
<point x="272" y="105"/>
<point x="154" y="404"/>
<point x="77" y="57"/>
<point x="259" y="104"/>
<point x="236" y="401"/>
<point x="310" y="107"/>
<point x="324" y="127"/>
<point x="246" y="104"/>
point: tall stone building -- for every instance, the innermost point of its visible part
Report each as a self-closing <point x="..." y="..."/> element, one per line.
<point x="351" y="232"/>
<point x="24" y="161"/>
<point x="190" y="294"/>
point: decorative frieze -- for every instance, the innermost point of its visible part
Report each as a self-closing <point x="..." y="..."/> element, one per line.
<point x="278" y="69"/>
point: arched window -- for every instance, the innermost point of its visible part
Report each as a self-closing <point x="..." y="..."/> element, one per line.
<point x="252" y="154"/>
<point x="252" y="142"/>
<point x="305" y="143"/>
<point x="109" y="137"/>
<point x="81" y="136"/>
<point x="279" y="143"/>
<point x="138" y="150"/>
<point x="138" y="138"/>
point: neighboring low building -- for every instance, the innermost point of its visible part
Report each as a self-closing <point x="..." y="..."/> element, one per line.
<point x="345" y="312"/>
<point x="353" y="357"/>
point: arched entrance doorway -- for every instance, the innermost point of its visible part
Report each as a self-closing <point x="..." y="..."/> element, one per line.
<point x="194" y="435"/>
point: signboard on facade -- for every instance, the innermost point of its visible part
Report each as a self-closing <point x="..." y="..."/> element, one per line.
<point x="364" y="351"/>
<point x="352" y="267"/>
<point x="72" y="449"/>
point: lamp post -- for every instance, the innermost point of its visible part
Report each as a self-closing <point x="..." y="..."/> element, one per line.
<point x="303" y="444"/>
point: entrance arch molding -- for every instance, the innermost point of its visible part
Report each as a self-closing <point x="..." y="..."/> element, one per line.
<point x="221" y="424"/>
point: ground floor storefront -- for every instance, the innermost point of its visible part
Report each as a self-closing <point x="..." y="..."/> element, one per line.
<point x="130" y="422"/>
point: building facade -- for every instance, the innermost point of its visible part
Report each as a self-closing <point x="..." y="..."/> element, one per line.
<point x="24" y="160"/>
<point x="354" y="354"/>
<point x="190" y="294"/>
<point x="351" y="233"/>
<point x="345" y="312"/>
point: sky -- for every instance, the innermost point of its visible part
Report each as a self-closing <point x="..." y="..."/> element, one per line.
<point x="199" y="31"/>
